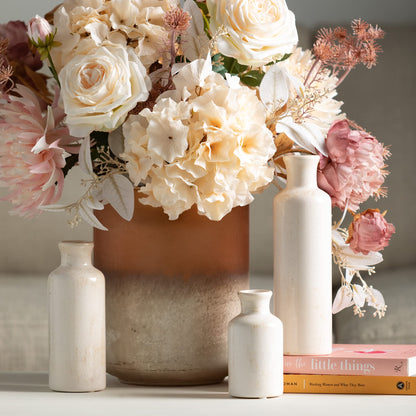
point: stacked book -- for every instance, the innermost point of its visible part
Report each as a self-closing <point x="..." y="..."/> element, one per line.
<point x="352" y="368"/>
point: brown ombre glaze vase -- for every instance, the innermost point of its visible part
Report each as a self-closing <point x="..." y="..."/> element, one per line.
<point x="171" y="290"/>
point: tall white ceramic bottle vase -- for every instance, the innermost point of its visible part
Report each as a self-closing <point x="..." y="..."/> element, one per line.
<point x="76" y="293"/>
<point x="302" y="259"/>
<point x="255" y="348"/>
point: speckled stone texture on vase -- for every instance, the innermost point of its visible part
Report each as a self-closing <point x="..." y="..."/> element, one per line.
<point x="172" y="288"/>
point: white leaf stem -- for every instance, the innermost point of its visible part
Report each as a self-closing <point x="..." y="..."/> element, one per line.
<point x="54" y="208"/>
<point x="85" y="161"/>
<point x="358" y="295"/>
<point x="275" y="88"/>
<point x="306" y="135"/>
<point x="116" y="141"/>
<point x="88" y="216"/>
<point x="195" y="42"/>
<point x="343" y="299"/>
<point x="119" y="192"/>
<point x="360" y="261"/>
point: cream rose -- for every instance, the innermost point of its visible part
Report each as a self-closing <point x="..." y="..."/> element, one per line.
<point x="258" y="31"/>
<point x="99" y="88"/>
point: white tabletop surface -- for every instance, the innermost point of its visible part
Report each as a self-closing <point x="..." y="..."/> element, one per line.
<point x="29" y="395"/>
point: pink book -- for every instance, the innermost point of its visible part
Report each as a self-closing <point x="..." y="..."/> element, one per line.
<point x="356" y="359"/>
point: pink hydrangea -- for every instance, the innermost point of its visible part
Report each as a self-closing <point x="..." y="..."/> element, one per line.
<point x="369" y="232"/>
<point x="354" y="168"/>
<point x="32" y="152"/>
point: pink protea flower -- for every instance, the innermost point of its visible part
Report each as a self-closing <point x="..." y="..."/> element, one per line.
<point x="32" y="152"/>
<point x="369" y="231"/>
<point x="354" y="168"/>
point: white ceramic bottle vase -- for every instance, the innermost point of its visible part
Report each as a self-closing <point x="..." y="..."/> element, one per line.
<point x="255" y="348"/>
<point x="302" y="259"/>
<point x="76" y="293"/>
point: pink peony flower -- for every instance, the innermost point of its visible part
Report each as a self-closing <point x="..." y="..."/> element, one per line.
<point x="19" y="47"/>
<point x="354" y="168"/>
<point x="39" y="30"/>
<point x="32" y="152"/>
<point x="369" y="232"/>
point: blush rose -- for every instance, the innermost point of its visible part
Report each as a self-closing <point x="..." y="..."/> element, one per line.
<point x="369" y="232"/>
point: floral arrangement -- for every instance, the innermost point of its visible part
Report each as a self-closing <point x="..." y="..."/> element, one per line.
<point x="192" y="104"/>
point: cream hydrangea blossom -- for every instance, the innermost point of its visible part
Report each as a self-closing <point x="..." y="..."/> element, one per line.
<point x="137" y="24"/>
<point x="100" y="87"/>
<point x="166" y="129"/>
<point x="228" y="147"/>
<point x="76" y="21"/>
<point x="258" y="31"/>
<point x="143" y="21"/>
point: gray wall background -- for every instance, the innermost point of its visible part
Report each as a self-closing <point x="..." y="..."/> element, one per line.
<point x="382" y="100"/>
<point x="309" y="13"/>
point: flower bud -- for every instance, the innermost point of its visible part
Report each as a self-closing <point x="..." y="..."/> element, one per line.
<point x="39" y="31"/>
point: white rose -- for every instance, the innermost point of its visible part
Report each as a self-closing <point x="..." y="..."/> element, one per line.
<point x="258" y="31"/>
<point x="99" y="88"/>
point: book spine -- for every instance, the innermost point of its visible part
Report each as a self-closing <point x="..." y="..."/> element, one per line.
<point x="345" y="366"/>
<point x="312" y="383"/>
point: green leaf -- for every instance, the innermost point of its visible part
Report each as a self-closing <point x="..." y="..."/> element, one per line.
<point x="220" y="70"/>
<point x="205" y="15"/>
<point x="286" y="56"/>
<point x="217" y="64"/>
<point x="252" y="78"/>
<point x="232" y="66"/>
<point x="216" y="58"/>
<point x="203" y="6"/>
<point x="225" y="64"/>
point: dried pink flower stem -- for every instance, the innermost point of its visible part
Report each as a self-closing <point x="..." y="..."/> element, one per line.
<point x="344" y="75"/>
<point x="177" y="21"/>
<point x="315" y="68"/>
<point x="340" y="51"/>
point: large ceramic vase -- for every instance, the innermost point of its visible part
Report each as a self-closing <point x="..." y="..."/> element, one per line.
<point x="172" y="288"/>
<point x="302" y="259"/>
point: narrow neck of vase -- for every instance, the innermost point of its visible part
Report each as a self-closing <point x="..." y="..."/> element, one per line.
<point x="301" y="170"/>
<point x="76" y="253"/>
<point x="255" y="301"/>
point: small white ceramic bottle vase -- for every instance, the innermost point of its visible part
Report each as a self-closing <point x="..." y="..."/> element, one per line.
<point x="76" y="292"/>
<point x="302" y="259"/>
<point x="255" y="348"/>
